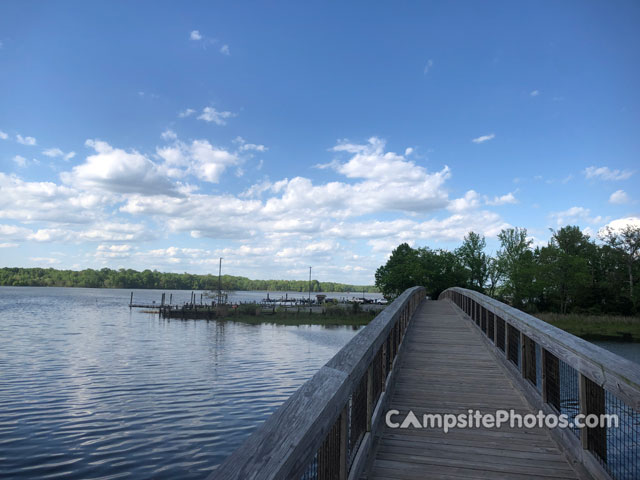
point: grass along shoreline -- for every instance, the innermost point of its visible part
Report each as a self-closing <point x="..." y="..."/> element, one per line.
<point x="588" y="327"/>
<point x="596" y="327"/>
<point x="306" y="318"/>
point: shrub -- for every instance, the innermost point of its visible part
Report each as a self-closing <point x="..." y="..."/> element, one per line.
<point x="248" y="309"/>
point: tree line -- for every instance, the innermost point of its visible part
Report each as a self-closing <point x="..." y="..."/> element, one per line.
<point x="573" y="273"/>
<point x="127" y="278"/>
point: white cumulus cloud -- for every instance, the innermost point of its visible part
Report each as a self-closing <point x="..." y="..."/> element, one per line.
<point x="210" y="114"/>
<point x="243" y="146"/>
<point x="484" y="138"/>
<point x="53" y="152"/>
<point x="201" y="159"/>
<point x="575" y="215"/>
<point x="619" y="197"/>
<point x="169" y="134"/>
<point x="25" y="140"/>
<point x="20" y="161"/>
<point x="605" y="173"/>
<point x="118" y="171"/>
<point x="621" y="223"/>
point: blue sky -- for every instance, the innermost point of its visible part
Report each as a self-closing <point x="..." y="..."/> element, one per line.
<point x="282" y="135"/>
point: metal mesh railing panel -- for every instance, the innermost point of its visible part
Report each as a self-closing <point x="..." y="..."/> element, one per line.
<point x="552" y="379"/>
<point x="357" y="419"/>
<point x="595" y="404"/>
<point x="500" y="333"/>
<point x="483" y="319"/>
<point x="514" y="345"/>
<point x="569" y="393"/>
<point x="623" y="442"/>
<point x="490" y="325"/>
<point x="529" y="359"/>
<point x="329" y="455"/>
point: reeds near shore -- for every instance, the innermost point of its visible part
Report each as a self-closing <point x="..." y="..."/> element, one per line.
<point x="304" y="318"/>
<point x="596" y="327"/>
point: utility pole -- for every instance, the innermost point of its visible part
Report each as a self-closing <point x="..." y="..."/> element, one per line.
<point x="309" y="289"/>
<point x="220" y="282"/>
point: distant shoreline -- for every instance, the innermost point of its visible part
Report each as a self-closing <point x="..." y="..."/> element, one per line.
<point x="305" y="292"/>
<point x="154" y="280"/>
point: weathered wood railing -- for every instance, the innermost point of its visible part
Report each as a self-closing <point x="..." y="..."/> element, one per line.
<point x="324" y="430"/>
<point x="563" y="374"/>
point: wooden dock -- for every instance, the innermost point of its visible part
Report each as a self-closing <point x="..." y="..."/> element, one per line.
<point x="446" y="368"/>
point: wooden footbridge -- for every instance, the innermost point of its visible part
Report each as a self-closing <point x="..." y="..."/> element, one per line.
<point x="462" y="354"/>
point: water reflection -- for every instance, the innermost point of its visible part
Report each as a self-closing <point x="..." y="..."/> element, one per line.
<point x="90" y="388"/>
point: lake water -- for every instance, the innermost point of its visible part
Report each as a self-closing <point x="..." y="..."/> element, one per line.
<point x="628" y="350"/>
<point x="91" y="389"/>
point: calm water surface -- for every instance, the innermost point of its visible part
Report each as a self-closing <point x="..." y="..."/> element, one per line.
<point x="628" y="350"/>
<point x="90" y="389"/>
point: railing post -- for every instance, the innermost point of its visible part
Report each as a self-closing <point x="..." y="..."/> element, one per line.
<point x="523" y="370"/>
<point x="506" y="339"/>
<point x="384" y="365"/>
<point x="495" y="329"/>
<point x="543" y="367"/>
<point x="593" y="402"/>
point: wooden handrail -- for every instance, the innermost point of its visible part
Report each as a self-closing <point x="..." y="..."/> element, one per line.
<point x="595" y="381"/>
<point x="286" y="443"/>
<point x="618" y="375"/>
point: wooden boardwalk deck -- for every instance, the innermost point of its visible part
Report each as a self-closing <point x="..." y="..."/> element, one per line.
<point x="447" y="368"/>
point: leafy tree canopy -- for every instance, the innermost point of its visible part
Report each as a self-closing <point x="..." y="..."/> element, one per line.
<point x="572" y="273"/>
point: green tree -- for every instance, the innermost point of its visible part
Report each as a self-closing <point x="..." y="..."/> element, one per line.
<point x="401" y="271"/>
<point x="494" y="275"/>
<point x="471" y="254"/>
<point x="627" y="242"/>
<point x="517" y="262"/>
<point x="565" y="267"/>
<point x="439" y="270"/>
